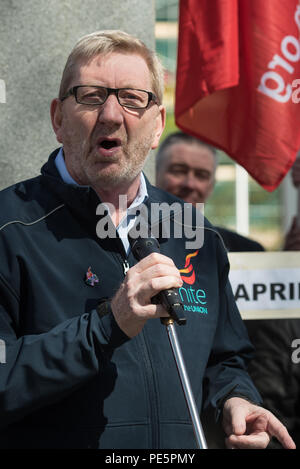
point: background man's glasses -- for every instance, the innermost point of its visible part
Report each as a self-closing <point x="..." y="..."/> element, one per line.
<point x="97" y="95"/>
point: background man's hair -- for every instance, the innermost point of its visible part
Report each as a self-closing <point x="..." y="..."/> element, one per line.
<point x="180" y="137"/>
<point x="108" y="41"/>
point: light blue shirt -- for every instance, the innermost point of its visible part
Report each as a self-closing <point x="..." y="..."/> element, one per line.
<point x="128" y="220"/>
<point x="62" y="169"/>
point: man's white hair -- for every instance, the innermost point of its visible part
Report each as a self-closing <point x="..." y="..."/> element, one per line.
<point x="106" y="42"/>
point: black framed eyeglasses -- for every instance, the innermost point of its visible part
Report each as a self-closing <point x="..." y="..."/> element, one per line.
<point x="91" y="95"/>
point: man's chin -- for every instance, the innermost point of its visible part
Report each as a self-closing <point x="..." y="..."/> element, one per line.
<point x="112" y="179"/>
<point x="188" y="200"/>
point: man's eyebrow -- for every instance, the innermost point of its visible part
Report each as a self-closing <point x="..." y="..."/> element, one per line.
<point x="183" y="166"/>
<point x="202" y="170"/>
<point x="179" y="165"/>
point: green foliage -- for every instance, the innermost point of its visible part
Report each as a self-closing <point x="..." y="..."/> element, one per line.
<point x="170" y="126"/>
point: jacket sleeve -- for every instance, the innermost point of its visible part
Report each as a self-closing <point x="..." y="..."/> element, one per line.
<point x="41" y="369"/>
<point x="226" y="374"/>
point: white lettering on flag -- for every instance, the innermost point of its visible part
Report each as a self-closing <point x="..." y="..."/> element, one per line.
<point x="272" y="83"/>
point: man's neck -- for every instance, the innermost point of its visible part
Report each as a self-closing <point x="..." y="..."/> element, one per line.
<point x="111" y="195"/>
<point x="120" y="198"/>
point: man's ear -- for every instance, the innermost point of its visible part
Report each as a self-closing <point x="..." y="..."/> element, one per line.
<point x="56" y="118"/>
<point x="160" y="125"/>
<point x="211" y="188"/>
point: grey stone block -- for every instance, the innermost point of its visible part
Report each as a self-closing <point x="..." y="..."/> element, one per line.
<point x="36" y="37"/>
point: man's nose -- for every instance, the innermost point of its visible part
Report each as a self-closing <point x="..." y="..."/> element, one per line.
<point x="190" y="180"/>
<point x="111" y="111"/>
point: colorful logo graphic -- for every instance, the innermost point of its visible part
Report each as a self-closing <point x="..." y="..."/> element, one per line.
<point x="91" y="279"/>
<point x="188" y="273"/>
<point x="192" y="300"/>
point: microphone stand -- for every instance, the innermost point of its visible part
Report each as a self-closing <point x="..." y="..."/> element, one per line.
<point x="185" y="382"/>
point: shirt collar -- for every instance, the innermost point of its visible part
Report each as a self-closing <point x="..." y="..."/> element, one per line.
<point x="62" y="169"/>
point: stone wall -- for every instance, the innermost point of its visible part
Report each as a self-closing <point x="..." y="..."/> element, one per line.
<point x="36" y="37"/>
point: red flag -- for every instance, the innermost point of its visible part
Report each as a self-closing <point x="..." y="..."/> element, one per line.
<point x="238" y="81"/>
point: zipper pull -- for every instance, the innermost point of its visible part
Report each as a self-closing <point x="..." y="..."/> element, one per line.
<point x="125" y="266"/>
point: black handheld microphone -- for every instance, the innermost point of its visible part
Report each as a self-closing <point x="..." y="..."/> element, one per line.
<point x="142" y="247"/>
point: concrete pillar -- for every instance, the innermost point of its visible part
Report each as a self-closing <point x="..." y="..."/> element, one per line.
<point x="36" y="36"/>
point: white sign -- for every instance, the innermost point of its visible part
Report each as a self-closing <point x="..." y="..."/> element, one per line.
<point x="265" y="284"/>
<point x="266" y="289"/>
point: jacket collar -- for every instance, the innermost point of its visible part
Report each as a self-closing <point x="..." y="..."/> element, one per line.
<point x="83" y="200"/>
<point x="71" y="193"/>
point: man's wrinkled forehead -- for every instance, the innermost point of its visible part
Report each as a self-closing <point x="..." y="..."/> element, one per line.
<point x="83" y="65"/>
<point x="191" y="152"/>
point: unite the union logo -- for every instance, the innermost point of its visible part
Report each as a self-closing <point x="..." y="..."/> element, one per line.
<point x="193" y="300"/>
<point x="188" y="273"/>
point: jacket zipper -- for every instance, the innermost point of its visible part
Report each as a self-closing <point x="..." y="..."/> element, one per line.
<point x="149" y="373"/>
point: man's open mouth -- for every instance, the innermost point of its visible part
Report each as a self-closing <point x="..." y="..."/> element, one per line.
<point x="109" y="143"/>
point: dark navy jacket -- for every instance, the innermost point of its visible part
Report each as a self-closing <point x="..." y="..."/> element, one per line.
<point x="72" y="379"/>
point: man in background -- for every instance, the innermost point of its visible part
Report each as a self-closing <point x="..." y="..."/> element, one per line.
<point x="292" y="239"/>
<point x="186" y="167"/>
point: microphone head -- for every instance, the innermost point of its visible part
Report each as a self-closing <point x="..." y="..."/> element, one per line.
<point x="142" y="247"/>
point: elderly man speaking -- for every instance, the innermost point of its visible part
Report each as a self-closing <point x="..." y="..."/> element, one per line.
<point x="88" y="364"/>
